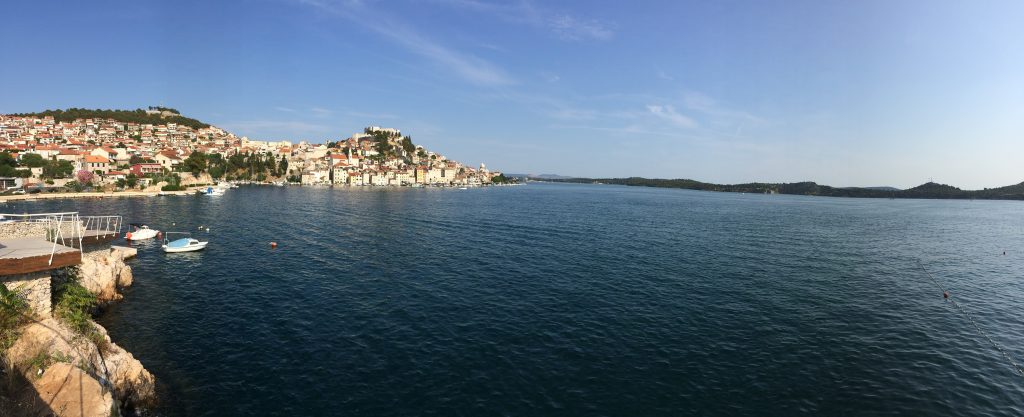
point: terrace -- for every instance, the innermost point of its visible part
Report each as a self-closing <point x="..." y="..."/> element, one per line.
<point x="39" y="242"/>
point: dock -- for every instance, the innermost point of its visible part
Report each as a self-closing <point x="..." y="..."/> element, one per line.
<point x="34" y="254"/>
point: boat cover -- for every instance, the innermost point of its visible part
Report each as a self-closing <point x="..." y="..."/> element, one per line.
<point x="179" y="243"/>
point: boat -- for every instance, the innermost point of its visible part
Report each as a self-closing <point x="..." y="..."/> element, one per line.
<point x="214" y="191"/>
<point x="185" y="244"/>
<point x="140" y="232"/>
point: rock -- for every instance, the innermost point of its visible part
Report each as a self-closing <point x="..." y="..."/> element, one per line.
<point x="49" y="337"/>
<point x="187" y="179"/>
<point x="70" y="392"/>
<point x="156" y="187"/>
<point x="103" y="272"/>
<point x="127" y="253"/>
<point x="110" y="364"/>
<point x="132" y="383"/>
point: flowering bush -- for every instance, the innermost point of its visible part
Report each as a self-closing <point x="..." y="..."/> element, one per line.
<point x="84" y="177"/>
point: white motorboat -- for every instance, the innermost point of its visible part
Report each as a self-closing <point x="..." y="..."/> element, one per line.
<point x="185" y="244"/>
<point x="215" y="191"/>
<point x="140" y="232"/>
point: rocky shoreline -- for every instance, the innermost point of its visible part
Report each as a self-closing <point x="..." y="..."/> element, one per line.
<point x="65" y="372"/>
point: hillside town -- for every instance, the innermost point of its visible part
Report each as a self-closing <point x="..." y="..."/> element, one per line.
<point x="115" y="154"/>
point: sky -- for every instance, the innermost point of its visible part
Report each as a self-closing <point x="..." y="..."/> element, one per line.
<point x="845" y="93"/>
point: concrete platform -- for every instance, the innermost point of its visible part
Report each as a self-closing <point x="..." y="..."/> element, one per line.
<point x="32" y="254"/>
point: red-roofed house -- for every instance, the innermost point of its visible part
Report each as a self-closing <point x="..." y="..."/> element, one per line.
<point x="167" y="159"/>
<point x="95" y="163"/>
<point x="142" y="169"/>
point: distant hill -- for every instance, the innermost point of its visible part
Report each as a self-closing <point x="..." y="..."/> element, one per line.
<point x="926" y="190"/>
<point x="548" y="176"/>
<point x="157" y="116"/>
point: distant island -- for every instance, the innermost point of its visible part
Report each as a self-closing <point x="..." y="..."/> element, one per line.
<point x="926" y="190"/>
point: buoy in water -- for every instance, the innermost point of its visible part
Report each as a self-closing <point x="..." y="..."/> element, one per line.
<point x="945" y="294"/>
<point x="273" y="244"/>
<point x="128" y="236"/>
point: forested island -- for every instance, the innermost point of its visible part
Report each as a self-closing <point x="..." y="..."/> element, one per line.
<point x="926" y="190"/>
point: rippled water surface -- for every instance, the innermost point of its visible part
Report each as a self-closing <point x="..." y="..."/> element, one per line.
<point x="572" y="300"/>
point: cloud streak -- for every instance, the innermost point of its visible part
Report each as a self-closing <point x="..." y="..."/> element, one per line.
<point x="670" y="114"/>
<point x="573" y="29"/>
<point x="564" y="26"/>
<point x="468" y="67"/>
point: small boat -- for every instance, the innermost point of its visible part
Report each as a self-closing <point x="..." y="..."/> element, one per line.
<point x="185" y="244"/>
<point x="140" y="232"/>
<point x="214" y="191"/>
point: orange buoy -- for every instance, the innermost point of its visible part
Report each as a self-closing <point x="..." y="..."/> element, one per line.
<point x="273" y="244"/>
<point x="128" y="236"/>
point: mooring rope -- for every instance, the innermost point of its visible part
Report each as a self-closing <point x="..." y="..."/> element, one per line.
<point x="970" y="318"/>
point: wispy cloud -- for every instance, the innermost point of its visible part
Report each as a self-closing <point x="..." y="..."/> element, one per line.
<point x="470" y="68"/>
<point x="665" y="76"/>
<point x="321" y="112"/>
<point x="710" y="106"/>
<point x="285" y="109"/>
<point x="670" y="114"/>
<point x="573" y="29"/>
<point x="562" y="25"/>
<point x="550" y="77"/>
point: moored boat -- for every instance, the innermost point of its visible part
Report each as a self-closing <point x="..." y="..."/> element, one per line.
<point x="185" y="244"/>
<point x="140" y="232"/>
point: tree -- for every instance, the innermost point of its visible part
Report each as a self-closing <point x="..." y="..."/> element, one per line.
<point x="58" y="169"/>
<point x="8" y="167"/>
<point x="84" y="177"/>
<point x="502" y="179"/>
<point x="407" y="145"/>
<point x="195" y="163"/>
<point x="216" y="171"/>
<point x="32" y="160"/>
<point x="282" y="167"/>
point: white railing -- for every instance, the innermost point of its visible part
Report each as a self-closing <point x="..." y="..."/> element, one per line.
<point x="60" y="228"/>
<point x="108" y="225"/>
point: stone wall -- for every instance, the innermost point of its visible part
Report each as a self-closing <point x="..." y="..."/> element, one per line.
<point x="35" y="287"/>
<point x="16" y="230"/>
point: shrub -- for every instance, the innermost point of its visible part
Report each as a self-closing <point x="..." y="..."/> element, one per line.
<point x="14" y="312"/>
<point x="74" y="306"/>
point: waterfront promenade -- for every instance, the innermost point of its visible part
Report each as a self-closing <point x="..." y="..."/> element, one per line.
<point x="52" y="196"/>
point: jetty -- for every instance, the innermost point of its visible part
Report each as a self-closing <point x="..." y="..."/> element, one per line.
<point x="34" y="246"/>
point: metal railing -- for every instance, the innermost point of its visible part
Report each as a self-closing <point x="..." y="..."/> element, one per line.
<point x="60" y="228"/>
<point x="105" y="225"/>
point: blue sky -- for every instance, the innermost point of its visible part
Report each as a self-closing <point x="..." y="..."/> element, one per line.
<point x="839" y="92"/>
